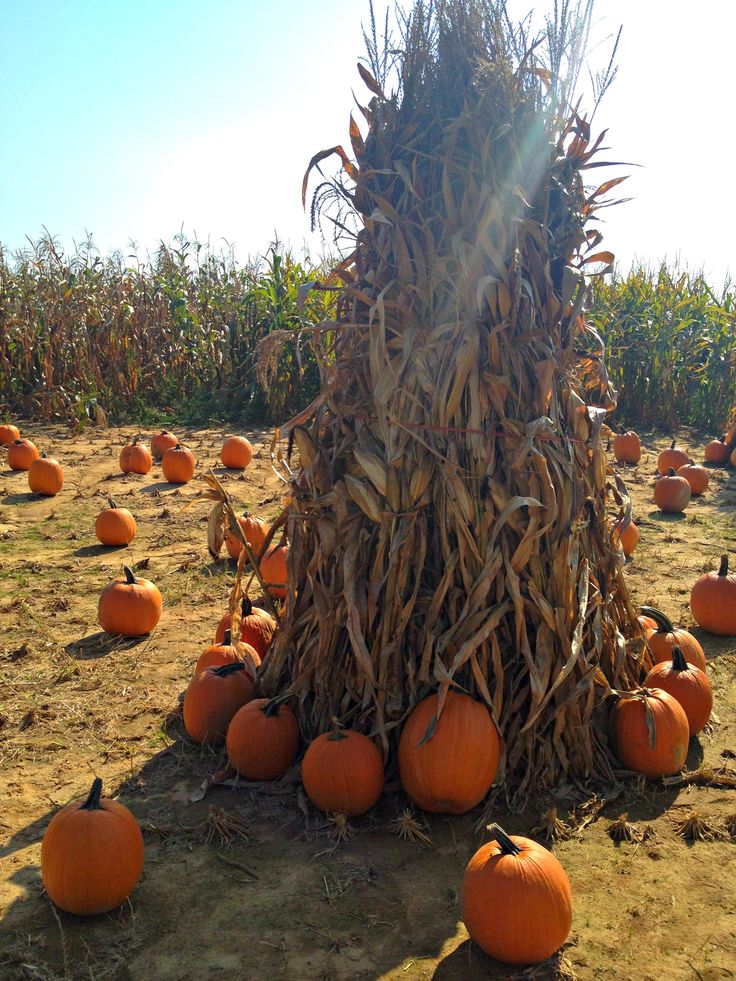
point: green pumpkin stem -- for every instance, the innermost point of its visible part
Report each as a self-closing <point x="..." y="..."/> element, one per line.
<point x="227" y="640"/>
<point x="664" y="624"/>
<point x="227" y="669"/>
<point x="508" y="847"/>
<point x="93" y="798"/>
<point x="723" y="571"/>
<point x="678" y="660"/>
<point x="129" y="577"/>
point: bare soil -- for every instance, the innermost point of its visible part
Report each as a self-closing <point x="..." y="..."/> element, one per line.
<point x="283" y="899"/>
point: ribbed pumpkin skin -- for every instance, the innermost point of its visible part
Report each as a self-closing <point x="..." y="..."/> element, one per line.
<point x="647" y="623"/>
<point x="453" y="771"/>
<point x="254" y="532"/>
<point x="178" y="465"/>
<point x="627" y="448"/>
<point x="273" y="570"/>
<point x="115" y="526"/>
<point x="262" y="747"/>
<point x="661" y="643"/>
<point x="91" y="860"/>
<point x="129" y="608"/>
<point x="713" y="601"/>
<point x="672" y="733"/>
<point x="211" y="701"/>
<point x="517" y="908"/>
<point x="8" y="434"/>
<point x="672" y="493"/>
<point x="343" y="772"/>
<point x="162" y="442"/>
<point x="256" y="629"/>
<point x="690" y="687"/>
<point x="672" y="457"/>
<point x="716" y="452"/>
<point x="221" y="653"/>
<point x="236" y="453"/>
<point x="21" y="454"/>
<point x="45" y="476"/>
<point x="135" y="458"/>
<point x="629" y="538"/>
<point x="696" y="476"/>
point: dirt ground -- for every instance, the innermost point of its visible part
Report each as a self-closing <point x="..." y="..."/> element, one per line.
<point x="282" y="900"/>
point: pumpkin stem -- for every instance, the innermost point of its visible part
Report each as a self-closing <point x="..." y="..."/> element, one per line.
<point x="672" y="446"/>
<point x="44" y="455"/>
<point x="337" y="734"/>
<point x="723" y="571"/>
<point x="664" y="624"/>
<point x="111" y="502"/>
<point x="508" y="847"/>
<point x="226" y="669"/>
<point x="671" y="472"/>
<point x="93" y="798"/>
<point x="273" y="706"/>
<point x="678" y="660"/>
<point x="129" y="577"/>
<point x="246" y="607"/>
<point x="227" y="640"/>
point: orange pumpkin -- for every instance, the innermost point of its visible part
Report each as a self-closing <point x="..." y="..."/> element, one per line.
<point x="45" y="476"/>
<point x="672" y="493"/>
<point x="136" y="457"/>
<point x="257" y="627"/>
<point x="647" y="623"/>
<point x="447" y="765"/>
<point x="733" y="459"/>
<point x="664" y="638"/>
<point x="263" y="739"/>
<point x="225" y="653"/>
<point x="651" y="733"/>
<point x="8" y="434"/>
<point x="628" y="535"/>
<point x="162" y="442"/>
<point x="672" y="458"/>
<point x="716" y="452"/>
<point x="342" y="772"/>
<point x="254" y="531"/>
<point x="688" y="684"/>
<point x="115" y="526"/>
<point x="236" y="453"/>
<point x="178" y="464"/>
<point x="91" y="855"/>
<point x="129" y="606"/>
<point x="713" y="601"/>
<point x="516" y="900"/>
<point x="21" y="454"/>
<point x="696" y="476"/>
<point x="273" y="570"/>
<point x="627" y="447"/>
<point x="213" y="698"/>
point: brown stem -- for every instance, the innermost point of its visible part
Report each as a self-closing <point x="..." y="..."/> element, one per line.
<point x="337" y="734"/>
<point x="672" y="446"/>
<point x="664" y="624"/>
<point x="227" y="669"/>
<point x="227" y="640"/>
<point x="246" y="607"/>
<point x="129" y="577"/>
<point x="671" y="472"/>
<point x="93" y="798"/>
<point x="678" y="660"/>
<point x="111" y="502"/>
<point x="508" y="847"/>
<point x="723" y="571"/>
<point x="273" y="705"/>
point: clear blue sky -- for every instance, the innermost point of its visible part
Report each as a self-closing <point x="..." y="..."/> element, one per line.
<point x="129" y="120"/>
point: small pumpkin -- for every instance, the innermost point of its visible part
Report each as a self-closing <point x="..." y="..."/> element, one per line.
<point x="627" y="534"/>
<point x="91" y="855"/>
<point x="21" y="454"/>
<point x="688" y="684"/>
<point x="664" y="638"/>
<point x="713" y="601"/>
<point x="8" y="434"/>
<point x="273" y="569"/>
<point x="129" y="606"/>
<point x="673" y="458"/>
<point x="627" y="447"/>
<point x="696" y="476"/>
<point x="257" y="627"/>
<point x="162" y="442"/>
<point x="236" y="453"/>
<point x="224" y="652"/>
<point x="717" y="452"/>
<point x="516" y="899"/>
<point x="115" y="525"/>
<point x="45" y="476"/>
<point x="254" y="531"/>
<point x="672" y="493"/>
<point x="213" y="698"/>
<point x="447" y="765"/>
<point x="342" y="772"/>
<point x="135" y="457"/>
<point x="651" y="733"/>
<point x="178" y="464"/>
<point x="263" y="739"/>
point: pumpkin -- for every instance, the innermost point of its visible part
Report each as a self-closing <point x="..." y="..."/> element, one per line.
<point x="21" y="454"/>
<point x="696" y="476"/>
<point x="688" y="684"/>
<point x="664" y="638"/>
<point x="671" y="458"/>
<point x="236" y="453"/>
<point x="627" y="448"/>
<point x="136" y="457"/>
<point x="178" y="464"/>
<point x="257" y="627"/>
<point x="8" y="434"/>
<point x="45" y="476"/>
<point x="213" y="698"/>
<point x="129" y="606"/>
<point x="223" y="652"/>
<point x="628" y="535"/>
<point x="716" y="452"/>
<point x="91" y="855"/>
<point x="273" y="570"/>
<point x="254" y="531"/>
<point x="713" y="601"/>
<point x="447" y="765"/>
<point x="516" y="900"/>
<point x="672" y="493"/>
<point x="651" y="732"/>
<point x="162" y="442"/>
<point x="647" y="623"/>
<point x="733" y="458"/>
<point x="114" y="525"/>
<point x="263" y="739"/>
<point x="342" y="772"/>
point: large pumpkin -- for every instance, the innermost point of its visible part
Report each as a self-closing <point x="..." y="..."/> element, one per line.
<point x="224" y="652"/>
<point x="236" y="453"/>
<point x="627" y="447"/>
<point x="447" y="765"/>
<point x="716" y="452"/>
<point x="516" y="900"/>
<point x="114" y="525"/>
<point x="664" y="637"/>
<point x="651" y="733"/>
<point x="91" y="855"/>
<point x="21" y="454"/>
<point x="688" y="684"/>
<point x="713" y="601"/>
<point x="8" y="434"/>
<point x="162" y="442"/>
<point x="254" y="531"/>
<point x="129" y="606"/>
<point x="263" y="739"/>
<point x="672" y="493"/>
<point x="342" y="772"/>
<point x="212" y="699"/>
<point x="178" y="464"/>
<point x="257" y="627"/>
<point x="696" y="476"/>
<point x="273" y="569"/>
<point x="135" y="457"/>
<point x="45" y="476"/>
<point x="672" y="458"/>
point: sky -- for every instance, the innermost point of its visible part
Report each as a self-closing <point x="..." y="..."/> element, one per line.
<point x="131" y="121"/>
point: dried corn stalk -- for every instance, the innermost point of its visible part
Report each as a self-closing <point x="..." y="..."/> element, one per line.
<point x="447" y="524"/>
